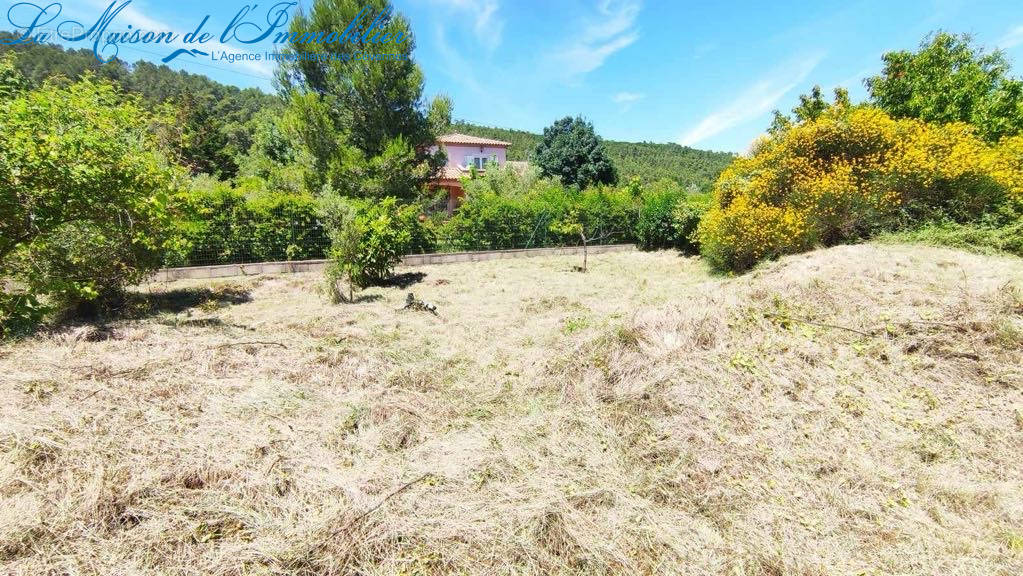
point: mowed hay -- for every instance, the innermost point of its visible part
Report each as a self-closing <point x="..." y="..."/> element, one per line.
<point x="856" y="410"/>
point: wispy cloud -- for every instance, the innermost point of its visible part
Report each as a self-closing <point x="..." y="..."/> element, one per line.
<point x="857" y="79"/>
<point x="610" y="29"/>
<point x="459" y="70"/>
<point x="487" y="25"/>
<point x="757" y="99"/>
<point x="1011" y="39"/>
<point x="627" y="99"/>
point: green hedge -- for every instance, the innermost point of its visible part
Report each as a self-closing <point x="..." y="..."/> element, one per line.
<point x="220" y="224"/>
<point x="503" y="210"/>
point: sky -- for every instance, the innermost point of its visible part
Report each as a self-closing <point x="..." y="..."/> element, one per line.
<point x="704" y="74"/>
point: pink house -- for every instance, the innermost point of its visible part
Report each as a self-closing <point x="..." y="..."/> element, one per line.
<point x="465" y="152"/>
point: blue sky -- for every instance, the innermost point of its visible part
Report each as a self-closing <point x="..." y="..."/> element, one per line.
<point x="705" y="74"/>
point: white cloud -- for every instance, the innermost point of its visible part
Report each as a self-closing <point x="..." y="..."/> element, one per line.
<point x="755" y="100"/>
<point x="611" y="30"/>
<point x="1012" y="39"/>
<point x="627" y="99"/>
<point x="487" y="26"/>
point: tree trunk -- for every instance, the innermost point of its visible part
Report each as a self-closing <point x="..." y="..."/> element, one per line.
<point x="583" y="236"/>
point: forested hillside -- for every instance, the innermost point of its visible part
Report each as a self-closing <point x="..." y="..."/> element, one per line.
<point x="214" y="122"/>
<point x="217" y="121"/>
<point x="647" y="160"/>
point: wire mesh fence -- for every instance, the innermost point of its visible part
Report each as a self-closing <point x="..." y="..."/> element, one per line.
<point x="280" y="236"/>
<point x="242" y="241"/>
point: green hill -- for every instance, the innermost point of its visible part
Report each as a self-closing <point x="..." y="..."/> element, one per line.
<point x="230" y="111"/>
<point x="647" y="160"/>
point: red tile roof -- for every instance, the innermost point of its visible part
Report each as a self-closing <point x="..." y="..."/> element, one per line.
<point x="451" y="173"/>
<point x="471" y="140"/>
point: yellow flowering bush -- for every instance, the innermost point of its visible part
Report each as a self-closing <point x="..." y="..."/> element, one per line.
<point x="847" y="175"/>
<point x="1007" y="167"/>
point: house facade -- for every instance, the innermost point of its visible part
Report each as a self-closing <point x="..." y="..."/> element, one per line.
<point x="465" y="153"/>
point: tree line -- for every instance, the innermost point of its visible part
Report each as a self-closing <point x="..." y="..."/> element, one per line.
<point x="648" y="161"/>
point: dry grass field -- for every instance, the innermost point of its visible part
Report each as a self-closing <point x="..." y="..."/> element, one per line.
<point x="857" y="410"/>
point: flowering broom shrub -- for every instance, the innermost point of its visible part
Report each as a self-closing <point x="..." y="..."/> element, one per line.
<point x="851" y="173"/>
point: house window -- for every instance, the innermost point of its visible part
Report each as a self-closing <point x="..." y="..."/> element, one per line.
<point x="480" y="162"/>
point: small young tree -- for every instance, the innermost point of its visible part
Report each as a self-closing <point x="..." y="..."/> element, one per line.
<point x="368" y="239"/>
<point x="575" y="223"/>
<point x="345" y="232"/>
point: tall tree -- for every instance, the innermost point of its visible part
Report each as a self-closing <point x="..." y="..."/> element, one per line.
<point x="572" y="151"/>
<point x="362" y="117"/>
<point x="949" y="80"/>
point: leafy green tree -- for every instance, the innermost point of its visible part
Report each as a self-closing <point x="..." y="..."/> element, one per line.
<point x="810" y="108"/>
<point x="572" y="151"/>
<point x="11" y="81"/>
<point x="439" y="115"/>
<point x="949" y="80"/>
<point x="83" y="193"/>
<point x="811" y="105"/>
<point x="346" y="232"/>
<point x="210" y="125"/>
<point x="363" y="118"/>
<point x="196" y="139"/>
<point x="276" y="155"/>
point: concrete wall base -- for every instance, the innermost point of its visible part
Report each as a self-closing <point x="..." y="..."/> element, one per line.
<point x="229" y="270"/>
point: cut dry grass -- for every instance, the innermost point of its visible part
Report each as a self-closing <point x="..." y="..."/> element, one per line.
<point x="854" y="410"/>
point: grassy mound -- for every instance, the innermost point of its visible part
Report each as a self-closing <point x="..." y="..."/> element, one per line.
<point x="852" y="410"/>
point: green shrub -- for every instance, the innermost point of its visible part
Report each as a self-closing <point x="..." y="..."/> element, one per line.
<point x="369" y="238"/>
<point x="609" y="213"/>
<point x="283" y="225"/>
<point x="83" y="197"/>
<point x="19" y="313"/>
<point x="502" y="209"/>
<point x="219" y="223"/>
<point x="386" y="237"/>
<point x="505" y="210"/>
<point x="996" y="233"/>
<point x="687" y="215"/>
<point x="669" y="217"/>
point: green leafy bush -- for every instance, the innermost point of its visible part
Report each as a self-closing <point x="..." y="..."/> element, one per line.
<point x="219" y="223"/>
<point x="507" y="210"/>
<point x="83" y="197"/>
<point x="504" y="210"/>
<point x="610" y="213"/>
<point x="368" y="238"/>
<point x="999" y="232"/>
<point x="688" y="213"/>
<point x="669" y="217"/>
<point x="658" y="226"/>
<point x="19" y="313"/>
